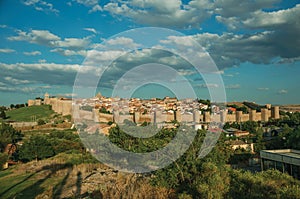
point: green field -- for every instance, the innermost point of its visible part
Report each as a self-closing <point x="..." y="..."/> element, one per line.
<point x="28" y="114"/>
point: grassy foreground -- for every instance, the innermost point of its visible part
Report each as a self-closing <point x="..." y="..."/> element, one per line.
<point x="73" y="176"/>
<point x="27" y="114"/>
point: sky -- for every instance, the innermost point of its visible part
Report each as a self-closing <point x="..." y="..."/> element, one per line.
<point x="46" y="45"/>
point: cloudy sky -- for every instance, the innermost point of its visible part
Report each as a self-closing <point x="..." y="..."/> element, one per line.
<point x="254" y="43"/>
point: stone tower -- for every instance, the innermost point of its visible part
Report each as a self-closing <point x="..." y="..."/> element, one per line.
<point x="178" y="116"/>
<point x="46" y="99"/>
<point x="207" y="116"/>
<point x="136" y="117"/>
<point x="275" y="112"/>
<point x="223" y="116"/>
<point x="196" y="116"/>
<point x="238" y="116"/>
<point x="252" y="115"/>
<point x="264" y="115"/>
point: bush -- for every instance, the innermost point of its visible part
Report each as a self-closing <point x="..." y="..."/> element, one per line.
<point x="41" y="122"/>
<point x="3" y="159"/>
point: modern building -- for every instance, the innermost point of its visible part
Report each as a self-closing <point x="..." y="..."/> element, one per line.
<point x="285" y="160"/>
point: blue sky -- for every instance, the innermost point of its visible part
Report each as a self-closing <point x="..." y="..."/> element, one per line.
<point x="254" y="43"/>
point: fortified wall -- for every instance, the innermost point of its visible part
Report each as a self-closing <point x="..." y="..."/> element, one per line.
<point x="64" y="106"/>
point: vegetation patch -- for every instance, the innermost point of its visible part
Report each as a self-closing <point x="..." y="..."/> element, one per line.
<point x="30" y="114"/>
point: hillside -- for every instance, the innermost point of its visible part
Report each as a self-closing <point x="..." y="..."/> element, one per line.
<point x="62" y="177"/>
<point x="27" y="114"/>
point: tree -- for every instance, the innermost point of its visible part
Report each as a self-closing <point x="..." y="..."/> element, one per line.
<point x="213" y="181"/>
<point x="3" y="159"/>
<point x="293" y="140"/>
<point x="8" y="135"/>
<point x="2" y="114"/>
<point x="41" y="122"/>
<point x="37" y="147"/>
<point x="266" y="184"/>
<point x="12" y="106"/>
<point x="259" y="143"/>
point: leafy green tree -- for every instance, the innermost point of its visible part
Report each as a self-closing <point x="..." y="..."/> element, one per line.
<point x="2" y="114"/>
<point x="293" y="140"/>
<point x="212" y="182"/>
<point x="8" y="135"/>
<point x="185" y="173"/>
<point x="41" y="122"/>
<point x="266" y="184"/>
<point x="36" y="148"/>
<point x="259" y="142"/>
<point x="250" y="126"/>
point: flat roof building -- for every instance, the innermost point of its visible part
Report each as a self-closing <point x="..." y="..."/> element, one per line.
<point x="285" y="160"/>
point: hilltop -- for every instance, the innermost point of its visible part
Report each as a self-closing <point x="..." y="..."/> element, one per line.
<point x="30" y="113"/>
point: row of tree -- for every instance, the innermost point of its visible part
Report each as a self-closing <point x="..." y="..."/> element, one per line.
<point x="208" y="177"/>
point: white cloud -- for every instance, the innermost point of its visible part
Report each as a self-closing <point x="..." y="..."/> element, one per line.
<point x="94" y="4"/>
<point x="263" y="89"/>
<point x="67" y="52"/>
<point x="87" y="2"/>
<point x="179" y="40"/>
<point x="45" y="73"/>
<point x="233" y="86"/>
<point x="208" y="85"/>
<point x="167" y="13"/>
<point x="41" y="5"/>
<point x="46" y="38"/>
<point x="42" y="37"/>
<point x="282" y="91"/>
<point x="42" y="60"/>
<point x="95" y="57"/>
<point x="95" y="9"/>
<point x="261" y="19"/>
<point x="17" y="89"/>
<point x="66" y="46"/>
<point x="16" y="81"/>
<point x="122" y="42"/>
<point x="33" y="53"/>
<point x="90" y="30"/>
<point x="7" y="50"/>
<point x="73" y="43"/>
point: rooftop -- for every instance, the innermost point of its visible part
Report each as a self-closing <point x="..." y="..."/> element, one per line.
<point x="284" y="155"/>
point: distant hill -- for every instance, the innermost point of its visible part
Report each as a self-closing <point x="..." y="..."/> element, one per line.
<point x="27" y="114"/>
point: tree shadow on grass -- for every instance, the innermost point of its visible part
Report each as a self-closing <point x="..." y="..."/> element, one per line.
<point x="36" y="188"/>
<point x="15" y="185"/>
<point x="57" y="190"/>
<point x="78" y="184"/>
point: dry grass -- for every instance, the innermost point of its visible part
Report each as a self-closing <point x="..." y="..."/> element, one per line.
<point x="55" y="178"/>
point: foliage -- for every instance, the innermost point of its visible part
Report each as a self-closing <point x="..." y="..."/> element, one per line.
<point x="134" y="144"/>
<point x="103" y="110"/>
<point x="259" y="143"/>
<point x="8" y="135"/>
<point x="3" y="114"/>
<point x="43" y="146"/>
<point x="293" y="139"/>
<point x="63" y="141"/>
<point x="36" y="148"/>
<point x="3" y="159"/>
<point x="41" y="122"/>
<point x="266" y="184"/>
<point x="196" y="176"/>
<point x="206" y="102"/>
